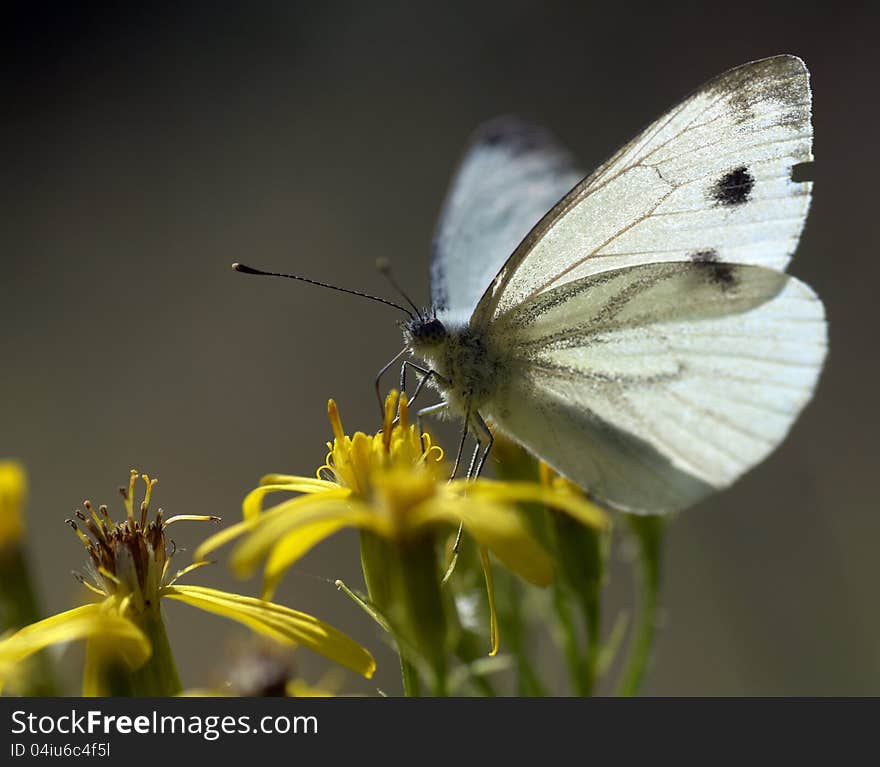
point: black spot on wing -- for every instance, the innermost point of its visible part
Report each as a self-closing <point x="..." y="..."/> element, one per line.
<point x="714" y="269"/>
<point x="734" y="187"/>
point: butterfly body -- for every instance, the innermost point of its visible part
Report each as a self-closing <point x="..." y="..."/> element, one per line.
<point x="634" y="328"/>
<point x="469" y="366"/>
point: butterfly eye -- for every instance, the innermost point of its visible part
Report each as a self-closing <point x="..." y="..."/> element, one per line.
<point x="428" y="332"/>
<point x="434" y="331"/>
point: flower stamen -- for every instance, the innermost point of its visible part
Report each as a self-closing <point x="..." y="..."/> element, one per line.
<point x="84" y="539"/>
<point x="90" y="586"/>
<point x="130" y="558"/>
<point x="104" y="572"/>
<point x="335" y="420"/>
<point x="93" y="514"/>
<point x="388" y="420"/>
<point x="128" y="497"/>
<point x="192" y="518"/>
<point x="183" y="571"/>
<point x="90" y="526"/>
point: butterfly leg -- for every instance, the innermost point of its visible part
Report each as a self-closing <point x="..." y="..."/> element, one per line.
<point x="486" y="433"/>
<point x="457" y="544"/>
<point x="453" y="559"/>
<point x="473" y="464"/>
<point x="425" y="378"/>
<point x="458" y="454"/>
<point x="428" y="411"/>
<point x="474" y="471"/>
<point x="409" y="364"/>
<point x="381" y="373"/>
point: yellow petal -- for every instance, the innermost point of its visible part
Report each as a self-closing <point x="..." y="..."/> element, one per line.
<point x="577" y="506"/>
<point x="295" y="545"/>
<point x="280" y="623"/>
<point x="94" y="667"/>
<point x="302" y="484"/>
<point x="490" y="596"/>
<point x="253" y="501"/>
<point x="223" y="537"/>
<point x="276" y="517"/>
<point x="293" y="516"/>
<point x="497" y="527"/>
<point x="92" y="620"/>
<point x="296" y="688"/>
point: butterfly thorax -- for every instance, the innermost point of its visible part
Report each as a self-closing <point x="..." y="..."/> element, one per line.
<point x="468" y="367"/>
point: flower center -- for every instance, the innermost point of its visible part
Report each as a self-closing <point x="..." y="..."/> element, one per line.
<point x="128" y="560"/>
<point x="361" y="461"/>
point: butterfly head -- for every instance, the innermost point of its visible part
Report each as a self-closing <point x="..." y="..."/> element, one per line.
<point x="424" y="331"/>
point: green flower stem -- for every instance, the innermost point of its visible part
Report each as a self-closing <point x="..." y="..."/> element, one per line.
<point x="158" y="676"/>
<point x="19" y="607"/>
<point x="441" y="688"/>
<point x="649" y="533"/>
<point x="410" y="674"/>
<point x="375" y="558"/>
<point x="403" y="582"/>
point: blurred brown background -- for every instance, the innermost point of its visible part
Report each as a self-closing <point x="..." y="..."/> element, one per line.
<point x="146" y="149"/>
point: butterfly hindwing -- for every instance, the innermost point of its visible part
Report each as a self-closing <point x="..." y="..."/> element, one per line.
<point x="709" y="181"/>
<point x="653" y="385"/>
<point x="511" y="175"/>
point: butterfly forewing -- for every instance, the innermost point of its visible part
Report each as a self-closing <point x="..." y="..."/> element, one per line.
<point x="709" y="181"/>
<point x="510" y="177"/>
<point x="653" y="385"/>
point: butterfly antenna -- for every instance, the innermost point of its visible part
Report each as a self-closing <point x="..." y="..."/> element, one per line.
<point x="384" y="267"/>
<point x="250" y="270"/>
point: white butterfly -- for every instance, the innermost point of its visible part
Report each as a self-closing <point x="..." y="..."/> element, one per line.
<point x="641" y="337"/>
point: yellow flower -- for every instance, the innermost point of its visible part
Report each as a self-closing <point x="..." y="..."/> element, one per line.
<point x="91" y="621"/>
<point x="13" y="489"/>
<point x="394" y="485"/>
<point x="129" y="567"/>
<point x="19" y="604"/>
